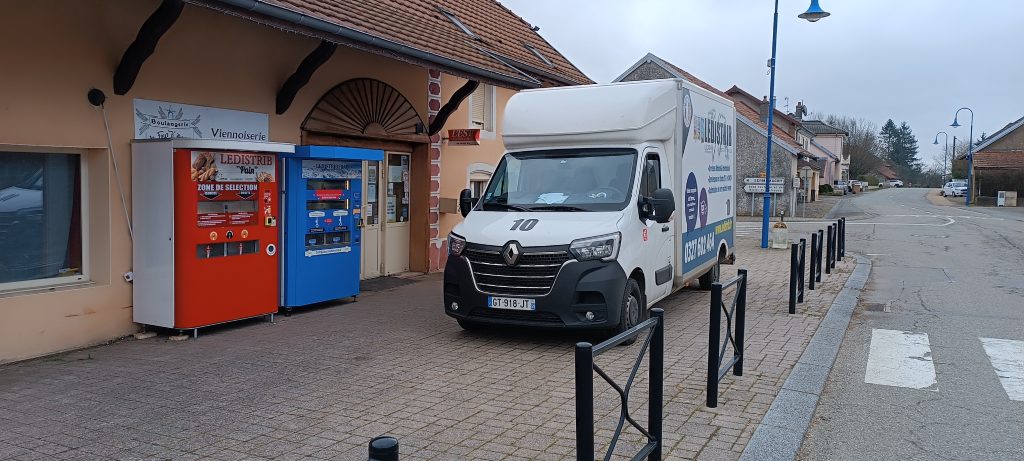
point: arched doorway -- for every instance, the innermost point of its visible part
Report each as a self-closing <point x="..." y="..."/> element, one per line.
<point x="369" y="113"/>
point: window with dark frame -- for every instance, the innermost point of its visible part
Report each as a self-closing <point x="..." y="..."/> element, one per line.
<point x="40" y="217"/>
<point x="650" y="180"/>
<point x="538" y="54"/>
<point x="458" y="22"/>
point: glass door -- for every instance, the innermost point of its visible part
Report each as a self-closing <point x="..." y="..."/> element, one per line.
<point x="396" y="212"/>
<point x="372" y="243"/>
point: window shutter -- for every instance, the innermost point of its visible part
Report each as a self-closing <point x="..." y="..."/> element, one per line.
<point x="477" y="107"/>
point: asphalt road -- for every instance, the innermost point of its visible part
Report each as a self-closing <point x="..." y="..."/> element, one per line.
<point x="953" y="274"/>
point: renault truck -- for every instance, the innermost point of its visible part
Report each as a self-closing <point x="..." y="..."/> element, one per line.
<point x="608" y="199"/>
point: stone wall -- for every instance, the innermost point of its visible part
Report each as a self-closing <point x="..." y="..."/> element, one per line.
<point x="750" y="153"/>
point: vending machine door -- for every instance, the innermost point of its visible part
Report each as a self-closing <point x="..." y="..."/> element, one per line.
<point x="324" y="199"/>
<point x="226" y="236"/>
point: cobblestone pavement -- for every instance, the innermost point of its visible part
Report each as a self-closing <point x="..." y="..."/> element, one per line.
<point x="320" y="384"/>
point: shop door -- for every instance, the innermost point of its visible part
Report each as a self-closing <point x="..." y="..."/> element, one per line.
<point x="395" y="199"/>
<point x="372" y="241"/>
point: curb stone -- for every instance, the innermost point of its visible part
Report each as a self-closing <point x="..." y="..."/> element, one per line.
<point x="784" y="426"/>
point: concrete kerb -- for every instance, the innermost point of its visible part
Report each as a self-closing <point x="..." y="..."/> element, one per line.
<point x="783" y="427"/>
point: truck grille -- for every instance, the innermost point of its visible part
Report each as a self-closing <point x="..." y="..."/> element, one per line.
<point x="532" y="275"/>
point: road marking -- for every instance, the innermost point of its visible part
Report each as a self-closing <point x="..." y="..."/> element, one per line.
<point x="1007" y="357"/>
<point x="900" y="358"/>
<point x="949" y="221"/>
<point x="878" y="254"/>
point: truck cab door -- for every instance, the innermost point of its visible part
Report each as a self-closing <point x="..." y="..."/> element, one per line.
<point x="658" y="245"/>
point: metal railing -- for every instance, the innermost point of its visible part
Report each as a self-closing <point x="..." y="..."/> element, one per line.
<point x="585" y="368"/>
<point x="735" y="317"/>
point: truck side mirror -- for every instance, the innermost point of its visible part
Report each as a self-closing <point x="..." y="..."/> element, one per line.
<point x="664" y="204"/>
<point x="465" y="202"/>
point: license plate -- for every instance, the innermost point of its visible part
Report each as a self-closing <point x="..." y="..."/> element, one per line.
<point x="519" y="304"/>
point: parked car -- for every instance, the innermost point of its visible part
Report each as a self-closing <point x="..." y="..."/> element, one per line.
<point x="894" y="183"/>
<point x="841" y="185"/>
<point x="856" y="186"/>
<point x="956" y="189"/>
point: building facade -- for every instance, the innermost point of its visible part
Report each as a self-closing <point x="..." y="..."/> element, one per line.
<point x="334" y="77"/>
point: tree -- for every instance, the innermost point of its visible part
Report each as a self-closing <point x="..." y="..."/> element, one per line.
<point x="900" y="147"/>
<point x="888" y="139"/>
<point x="907" y="148"/>
<point x="862" y="146"/>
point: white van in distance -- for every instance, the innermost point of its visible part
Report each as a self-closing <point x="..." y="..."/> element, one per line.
<point x="608" y="199"/>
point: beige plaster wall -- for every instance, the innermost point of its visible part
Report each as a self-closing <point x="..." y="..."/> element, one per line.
<point x="455" y="160"/>
<point x="65" y="48"/>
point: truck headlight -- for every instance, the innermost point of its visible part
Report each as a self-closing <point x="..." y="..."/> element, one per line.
<point x="603" y="247"/>
<point x="455" y="245"/>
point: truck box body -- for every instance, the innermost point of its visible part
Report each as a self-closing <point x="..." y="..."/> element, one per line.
<point x="583" y="162"/>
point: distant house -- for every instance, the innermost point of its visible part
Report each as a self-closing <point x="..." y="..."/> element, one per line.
<point x="999" y="161"/>
<point x="751" y="139"/>
<point x="886" y="172"/>
<point x="832" y="140"/>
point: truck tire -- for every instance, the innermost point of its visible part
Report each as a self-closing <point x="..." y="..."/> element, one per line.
<point x="711" y="276"/>
<point x="632" y="311"/>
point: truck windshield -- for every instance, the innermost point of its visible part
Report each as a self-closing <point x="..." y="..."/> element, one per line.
<point x="562" y="180"/>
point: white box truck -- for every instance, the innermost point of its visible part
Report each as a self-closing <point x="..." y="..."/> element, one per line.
<point x="608" y="199"/>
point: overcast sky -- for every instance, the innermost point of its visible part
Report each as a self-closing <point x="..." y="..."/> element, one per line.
<point x="910" y="60"/>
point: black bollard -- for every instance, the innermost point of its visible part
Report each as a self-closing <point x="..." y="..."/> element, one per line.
<point x="384" y="448"/>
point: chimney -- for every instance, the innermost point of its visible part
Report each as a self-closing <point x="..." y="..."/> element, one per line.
<point x="801" y="110"/>
<point x="763" y="109"/>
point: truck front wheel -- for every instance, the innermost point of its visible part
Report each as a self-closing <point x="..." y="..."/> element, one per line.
<point x="633" y="311"/>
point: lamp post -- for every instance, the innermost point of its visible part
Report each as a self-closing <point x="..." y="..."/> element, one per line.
<point x="970" y="155"/>
<point x="945" y="151"/>
<point x="813" y="14"/>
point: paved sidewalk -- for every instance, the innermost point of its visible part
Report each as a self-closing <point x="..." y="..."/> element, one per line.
<point x="320" y="384"/>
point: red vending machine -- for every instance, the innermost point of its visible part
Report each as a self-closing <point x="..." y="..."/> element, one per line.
<point x="205" y="226"/>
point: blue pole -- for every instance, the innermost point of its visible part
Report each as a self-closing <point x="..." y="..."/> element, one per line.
<point x="970" y="162"/>
<point x="768" y="156"/>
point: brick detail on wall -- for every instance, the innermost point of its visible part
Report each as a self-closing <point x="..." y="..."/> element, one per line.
<point x="436" y="250"/>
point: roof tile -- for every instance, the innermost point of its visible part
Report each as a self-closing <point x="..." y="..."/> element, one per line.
<point x="419" y="24"/>
<point x="999" y="160"/>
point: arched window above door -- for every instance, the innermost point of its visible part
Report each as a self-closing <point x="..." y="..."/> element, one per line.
<point x="368" y="108"/>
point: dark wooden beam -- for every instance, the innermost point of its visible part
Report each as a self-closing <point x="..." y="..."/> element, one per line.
<point x="302" y="74"/>
<point x="449" y="107"/>
<point x="145" y="42"/>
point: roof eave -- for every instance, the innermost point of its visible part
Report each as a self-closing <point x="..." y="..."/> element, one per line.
<point x="999" y="134"/>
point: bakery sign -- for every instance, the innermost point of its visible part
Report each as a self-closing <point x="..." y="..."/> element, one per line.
<point x="169" y="120"/>
<point x="464" y="137"/>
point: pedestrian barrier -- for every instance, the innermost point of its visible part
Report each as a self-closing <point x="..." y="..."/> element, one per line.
<point x="735" y="316"/>
<point x="797" y="261"/>
<point x="585" y="368"/>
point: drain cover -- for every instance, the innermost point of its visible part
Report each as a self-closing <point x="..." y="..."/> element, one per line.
<point x="879" y="307"/>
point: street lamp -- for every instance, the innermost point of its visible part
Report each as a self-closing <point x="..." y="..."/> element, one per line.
<point x="945" y="151"/>
<point x="970" y="154"/>
<point x="813" y="14"/>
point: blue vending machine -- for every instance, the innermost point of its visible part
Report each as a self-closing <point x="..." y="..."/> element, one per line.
<point x="321" y="203"/>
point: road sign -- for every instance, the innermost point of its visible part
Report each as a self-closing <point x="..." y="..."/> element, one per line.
<point x="774" y="182"/>
<point x="759" y="189"/>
